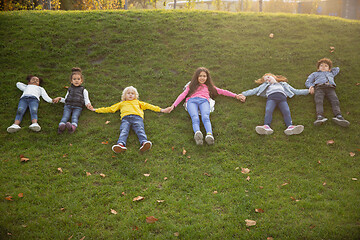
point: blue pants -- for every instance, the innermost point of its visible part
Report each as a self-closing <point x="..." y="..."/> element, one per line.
<point x="25" y="102"/>
<point x="68" y="109"/>
<point x="194" y="105"/>
<point x="137" y="124"/>
<point x="277" y="100"/>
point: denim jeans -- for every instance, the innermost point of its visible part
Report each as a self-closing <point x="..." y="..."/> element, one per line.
<point x="137" y="124"/>
<point x="68" y="109"/>
<point x="277" y="100"/>
<point x="329" y="92"/>
<point x="193" y="106"/>
<point x="24" y="103"/>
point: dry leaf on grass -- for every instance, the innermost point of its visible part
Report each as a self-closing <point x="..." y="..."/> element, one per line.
<point x="9" y="198"/>
<point x="88" y="174"/>
<point x="176" y="234"/>
<point x="165" y="178"/>
<point x="151" y="219"/>
<point x="215" y="192"/>
<point x="248" y="178"/>
<point x="271" y="35"/>
<point x="183" y="151"/>
<point x="245" y="170"/>
<point x="24" y="159"/>
<point x="106" y="142"/>
<point x="207" y="174"/>
<point x="250" y="223"/>
<point x="352" y="154"/>
<point x="102" y="175"/>
<point x="113" y="211"/>
<point x="60" y="170"/>
<point x="147" y="174"/>
<point x="21" y="195"/>
<point x="160" y="201"/>
<point x="138" y="198"/>
<point x="354" y="179"/>
<point x="329" y="142"/>
<point x="107" y="122"/>
<point x="332" y="49"/>
<point x="259" y="210"/>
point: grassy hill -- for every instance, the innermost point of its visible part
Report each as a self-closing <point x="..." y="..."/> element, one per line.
<point x="306" y="188"/>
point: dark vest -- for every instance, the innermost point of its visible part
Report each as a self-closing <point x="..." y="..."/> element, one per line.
<point x="75" y="96"/>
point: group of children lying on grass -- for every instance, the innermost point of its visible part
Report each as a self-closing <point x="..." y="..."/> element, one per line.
<point x="198" y="96"/>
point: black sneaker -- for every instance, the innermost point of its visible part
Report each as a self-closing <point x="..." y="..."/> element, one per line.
<point x="320" y="120"/>
<point x="339" y="120"/>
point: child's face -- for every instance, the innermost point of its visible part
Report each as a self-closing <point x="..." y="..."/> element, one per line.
<point x="34" y="81"/>
<point x="202" y="77"/>
<point x="76" y="80"/>
<point x="323" y="67"/>
<point x="130" y="95"/>
<point x="269" y="79"/>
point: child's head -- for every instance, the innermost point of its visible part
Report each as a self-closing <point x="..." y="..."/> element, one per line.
<point x="129" y="93"/>
<point x="324" y="65"/>
<point x="34" y="80"/>
<point x="269" y="77"/>
<point x="76" y="77"/>
<point x="202" y="76"/>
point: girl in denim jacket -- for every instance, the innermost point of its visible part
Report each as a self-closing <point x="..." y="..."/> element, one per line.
<point x="276" y="90"/>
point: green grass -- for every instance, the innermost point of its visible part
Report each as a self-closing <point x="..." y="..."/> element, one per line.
<point x="157" y="52"/>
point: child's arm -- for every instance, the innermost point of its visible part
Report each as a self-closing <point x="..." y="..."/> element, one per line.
<point x="181" y="97"/>
<point x="87" y="100"/>
<point x="45" y="96"/>
<point x="310" y="80"/>
<point x="21" y="86"/>
<point x="251" y="92"/>
<point x="335" y="71"/>
<point x="110" y="109"/>
<point x="225" y="92"/>
<point x="299" y="91"/>
<point x="167" y="110"/>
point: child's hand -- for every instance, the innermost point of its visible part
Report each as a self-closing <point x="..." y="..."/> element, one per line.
<point x="90" y="107"/>
<point x="166" y="110"/>
<point x="311" y="90"/>
<point x="56" y="100"/>
<point x="241" y="97"/>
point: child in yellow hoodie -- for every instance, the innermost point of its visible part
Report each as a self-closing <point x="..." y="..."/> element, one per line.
<point x="132" y="116"/>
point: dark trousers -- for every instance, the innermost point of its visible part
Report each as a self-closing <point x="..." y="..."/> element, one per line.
<point x="328" y="91"/>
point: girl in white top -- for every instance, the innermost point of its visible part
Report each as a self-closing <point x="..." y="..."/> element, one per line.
<point x="30" y="98"/>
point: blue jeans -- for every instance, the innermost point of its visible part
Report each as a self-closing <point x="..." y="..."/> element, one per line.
<point x="68" y="109"/>
<point x="193" y="106"/>
<point x="24" y="103"/>
<point x="137" y="124"/>
<point x="277" y="100"/>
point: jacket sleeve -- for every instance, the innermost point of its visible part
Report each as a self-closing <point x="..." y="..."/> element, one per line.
<point x="251" y="91"/>
<point x="299" y="91"/>
<point x="86" y="97"/>
<point x="335" y="71"/>
<point x="225" y="92"/>
<point x="310" y="81"/>
<point x="181" y="96"/>
<point x="111" y="109"/>
<point x="45" y="96"/>
<point x="21" y="86"/>
<point x="149" y="106"/>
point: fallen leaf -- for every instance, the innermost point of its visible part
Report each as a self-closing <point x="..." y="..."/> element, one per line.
<point x="284" y="184"/>
<point x="135" y="228"/>
<point x="206" y="174"/>
<point x="9" y="198"/>
<point x="60" y="170"/>
<point x="102" y="175"/>
<point x="329" y="142"/>
<point x="189" y="157"/>
<point x="151" y="219"/>
<point x="65" y="155"/>
<point x="147" y="174"/>
<point x="165" y="178"/>
<point x="324" y="184"/>
<point x="113" y="211"/>
<point x="312" y="226"/>
<point x="250" y="223"/>
<point x="259" y="210"/>
<point x="82" y="238"/>
<point x="24" y="159"/>
<point x="248" y="178"/>
<point x="79" y="224"/>
<point x="245" y="170"/>
<point x="70" y="144"/>
<point x="351" y="154"/>
<point x="160" y="201"/>
<point x="271" y="35"/>
<point x="88" y="174"/>
<point x="183" y="151"/>
<point x="62" y="209"/>
<point x="269" y="238"/>
<point x="21" y="195"/>
<point x="138" y="198"/>
<point x="332" y="49"/>
<point x="357" y="84"/>
<point x="172" y="148"/>
<point x="215" y="192"/>
<point x="319" y="162"/>
<point x="294" y="199"/>
<point x="105" y="142"/>
<point x="146" y="160"/>
<point x="354" y="179"/>
<point x="107" y="122"/>
<point x="24" y="226"/>
<point x="261" y="187"/>
<point x="176" y="234"/>
<point x="70" y="237"/>
<point x="237" y="168"/>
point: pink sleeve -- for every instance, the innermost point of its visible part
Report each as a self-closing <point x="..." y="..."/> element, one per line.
<point x="225" y="92"/>
<point x="181" y="96"/>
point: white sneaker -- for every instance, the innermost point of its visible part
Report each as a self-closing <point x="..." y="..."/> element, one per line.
<point x="13" y="128"/>
<point x="294" y="129"/>
<point x="198" y="136"/>
<point x="264" y="130"/>
<point x="209" y="139"/>
<point x="35" y="127"/>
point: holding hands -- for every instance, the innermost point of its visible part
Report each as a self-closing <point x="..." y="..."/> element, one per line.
<point x="167" y="110"/>
<point x="241" y="97"/>
<point x="311" y="90"/>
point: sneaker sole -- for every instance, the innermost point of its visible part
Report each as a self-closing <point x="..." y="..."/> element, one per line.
<point x="118" y="149"/>
<point x="343" y="123"/>
<point x="209" y="140"/>
<point x="199" y="138"/>
<point x="35" y="128"/>
<point x="262" y="131"/>
<point x="12" y="130"/>
<point x="296" y="130"/>
<point x="320" y="122"/>
<point x="145" y="147"/>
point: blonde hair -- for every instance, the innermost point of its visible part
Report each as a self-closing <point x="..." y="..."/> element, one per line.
<point x="278" y="78"/>
<point x="123" y="97"/>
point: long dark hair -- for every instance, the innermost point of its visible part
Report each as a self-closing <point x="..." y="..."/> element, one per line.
<point x="194" y="84"/>
<point x="29" y="77"/>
